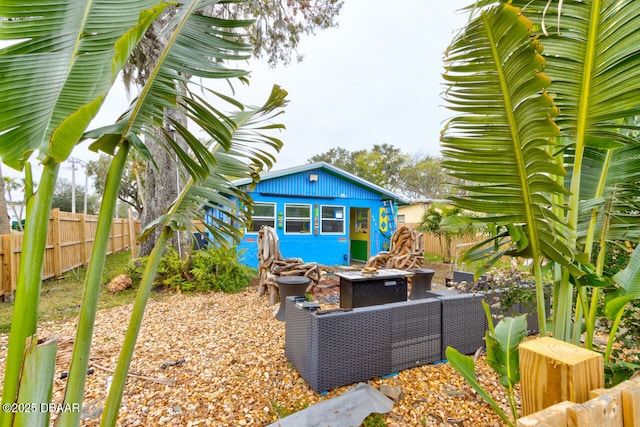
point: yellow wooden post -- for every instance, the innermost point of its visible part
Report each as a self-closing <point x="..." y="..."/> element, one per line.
<point x="552" y="371"/>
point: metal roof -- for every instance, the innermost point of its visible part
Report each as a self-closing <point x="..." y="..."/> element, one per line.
<point x="332" y="170"/>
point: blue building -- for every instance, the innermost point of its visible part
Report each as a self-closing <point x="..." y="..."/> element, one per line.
<point x="321" y="213"/>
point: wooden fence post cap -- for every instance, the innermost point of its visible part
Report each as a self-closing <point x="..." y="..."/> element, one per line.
<point x="558" y="350"/>
<point x="552" y="371"/>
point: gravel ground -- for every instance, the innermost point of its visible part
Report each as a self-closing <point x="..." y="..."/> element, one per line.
<point x="232" y="370"/>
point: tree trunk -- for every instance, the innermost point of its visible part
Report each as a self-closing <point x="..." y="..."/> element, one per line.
<point x="162" y="187"/>
<point x="5" y="222"/>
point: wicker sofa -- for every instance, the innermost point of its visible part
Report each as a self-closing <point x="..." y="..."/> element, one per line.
<point x="343" y="347"/>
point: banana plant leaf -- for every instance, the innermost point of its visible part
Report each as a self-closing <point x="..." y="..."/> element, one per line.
<point x="55" y="76"/>
<point x="465" y="367"/>
<point x="39" y="362"/>
<point x="502" y="348"/>
<point x="170" y="88"/>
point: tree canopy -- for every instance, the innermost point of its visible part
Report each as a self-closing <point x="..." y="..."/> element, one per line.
<point x="416" y="176"/>
<point x="62" y="198"/>
<point x="132" y="178"/>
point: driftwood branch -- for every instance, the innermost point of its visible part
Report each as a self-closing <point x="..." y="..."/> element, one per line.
<point x="271" y="265"/>
<point x="167" y="381"/>
<point x="406" y="250"/>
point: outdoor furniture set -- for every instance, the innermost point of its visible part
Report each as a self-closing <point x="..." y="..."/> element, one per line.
<point x="357" y="342"/>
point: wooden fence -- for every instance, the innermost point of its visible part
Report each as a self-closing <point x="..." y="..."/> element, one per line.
<point x="434" y="245"/>
<point x="69" y="243"/>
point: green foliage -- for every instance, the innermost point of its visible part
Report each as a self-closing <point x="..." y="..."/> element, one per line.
<point x="80" y="57"/>
<point x="618" y="371"/>
<point x="502" y="356"/>
<point x="62" y="198"/>
<point x="282" y="411"/>
<point x="434" y="222"/>
<point x="381" y="165"/>
<point x="213" y="268"/>
<point x="220" y="269"/>
<point x="129" y="191"/>
<point x="507" y="288"/>
<point x="617" y="256"/>
<point x="374" y="420"/>
<point x="464" y="365"/>
<point x="557" y="174"/>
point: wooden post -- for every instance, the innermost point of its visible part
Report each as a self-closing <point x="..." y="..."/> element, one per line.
<point x="631" y="405"/>
<point x="552" y="371"/>
<point x="7" y="256"/>
<point x="605" y="410"/>
<point x="133" y="243"/>
<point x="630" y="400"/>
<point x="57" y="253"/>
<point x="553" y="416"/>
<point x="83" y="239"/>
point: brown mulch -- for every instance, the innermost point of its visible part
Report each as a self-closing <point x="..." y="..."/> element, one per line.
<point x="230" y="369"/>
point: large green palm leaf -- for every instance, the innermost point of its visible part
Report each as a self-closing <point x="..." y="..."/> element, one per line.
<point x="501" y="141"/>
<point x="593" y="51"/>
<point x="610" y="196"/>
<point x="197" y="46"/>
<point x="48" y="101"/>
<point x="594" y="63"/>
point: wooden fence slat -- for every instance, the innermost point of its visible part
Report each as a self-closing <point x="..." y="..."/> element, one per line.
<point x="132" y="235"/>
<point x="57" y="258"/>
<point x="69" y="244"/>
<point x="7" y="255"/>
<point x="605" y="410"/>
<point x="553" y="416"/>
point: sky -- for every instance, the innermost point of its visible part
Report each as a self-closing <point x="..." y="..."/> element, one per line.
<point x="374" y="79"/>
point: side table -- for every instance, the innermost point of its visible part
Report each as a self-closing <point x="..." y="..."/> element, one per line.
<point x="289" y="286"/>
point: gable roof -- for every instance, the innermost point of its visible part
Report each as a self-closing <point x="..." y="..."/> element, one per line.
<point x="328" y="168"/>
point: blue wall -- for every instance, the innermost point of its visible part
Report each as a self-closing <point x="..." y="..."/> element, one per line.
<point x="329" y="189"/>
<point x="328" y="249"/>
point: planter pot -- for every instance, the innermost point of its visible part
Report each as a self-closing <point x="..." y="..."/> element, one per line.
<point x="465" y="276"/>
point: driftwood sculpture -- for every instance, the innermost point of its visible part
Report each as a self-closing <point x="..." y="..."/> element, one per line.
<point x="406" y="250"/>
<point x="271" y="265"/>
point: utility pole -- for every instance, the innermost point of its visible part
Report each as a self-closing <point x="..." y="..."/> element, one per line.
<point x="74" y="162"/>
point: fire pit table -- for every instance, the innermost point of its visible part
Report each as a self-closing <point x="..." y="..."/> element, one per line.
<point x="386" y="286"/>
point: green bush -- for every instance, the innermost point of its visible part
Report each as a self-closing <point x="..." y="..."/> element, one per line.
<point x="210" y="269"/>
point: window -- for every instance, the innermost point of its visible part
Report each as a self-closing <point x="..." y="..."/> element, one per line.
<point x="297" y="218"/>
<point x="332" y="219"/>
<point x="263" y="214"/>
<point x="401" y="218"/>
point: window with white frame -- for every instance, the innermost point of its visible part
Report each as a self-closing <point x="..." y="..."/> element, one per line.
<point x="332" y="219"/>
<point x="263" y="214"/>
<point x="297" y="218"/>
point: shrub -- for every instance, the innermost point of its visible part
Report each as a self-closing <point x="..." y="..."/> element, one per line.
<point x="219" y="269"/>
<point x="210" y="269"/>
<point x="507" y="288"/>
